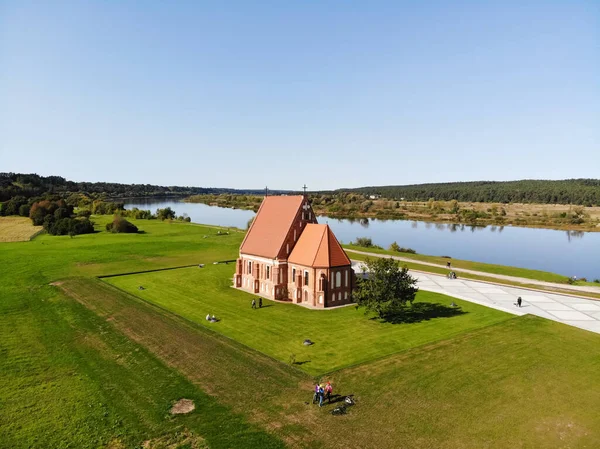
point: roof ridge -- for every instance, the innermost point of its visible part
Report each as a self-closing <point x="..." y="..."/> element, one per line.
<point x="318" y="248"/>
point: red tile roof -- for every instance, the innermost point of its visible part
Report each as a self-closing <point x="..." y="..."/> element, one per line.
<point x="318" y="247"/>
<point x="274" y="219"/>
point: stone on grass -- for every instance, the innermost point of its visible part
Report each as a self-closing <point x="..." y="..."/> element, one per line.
<point x="182" y="407"/>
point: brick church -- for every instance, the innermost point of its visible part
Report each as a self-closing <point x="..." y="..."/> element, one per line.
<point x="286" y="255"/>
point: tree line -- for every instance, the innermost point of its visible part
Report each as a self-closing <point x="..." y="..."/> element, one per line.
<point x="585" y="192"/>
<point x="32" y="185"/>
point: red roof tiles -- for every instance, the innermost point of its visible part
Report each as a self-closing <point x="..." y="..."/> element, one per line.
<point x="318" y="247"/>
<point x="274" y="219"/>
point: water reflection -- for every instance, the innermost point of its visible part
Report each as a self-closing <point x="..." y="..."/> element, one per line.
<point x="575" y="235"/>
<point x="542" y="249"/>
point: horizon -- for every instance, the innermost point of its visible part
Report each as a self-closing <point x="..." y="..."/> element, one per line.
<point x="330" y="94"/>
<point x="308" y="189"/>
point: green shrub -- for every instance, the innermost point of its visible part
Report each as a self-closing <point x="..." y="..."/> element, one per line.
<point x="365" y="242"/>
<point x="120" y="225"/>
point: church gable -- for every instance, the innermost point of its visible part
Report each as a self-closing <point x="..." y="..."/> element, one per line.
<point x="277" y="226"/>
<point x="318" y="247"/>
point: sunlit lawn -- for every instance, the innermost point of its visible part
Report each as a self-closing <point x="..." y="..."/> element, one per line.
<point x="343" y="336"/>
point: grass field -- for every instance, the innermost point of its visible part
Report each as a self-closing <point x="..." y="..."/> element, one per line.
<point x="468" y="265"/>
<point x="17" y="229"/>
<point x="279" y="329"/>
<point x="84" y="364"/>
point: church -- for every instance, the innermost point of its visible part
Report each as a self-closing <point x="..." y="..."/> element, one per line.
<point x="287" y="255"/>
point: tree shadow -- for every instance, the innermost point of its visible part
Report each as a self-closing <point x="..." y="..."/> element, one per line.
<point x="302" y="362"/>
<point x="422" y="311"/>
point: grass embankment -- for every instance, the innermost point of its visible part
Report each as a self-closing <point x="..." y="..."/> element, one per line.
<point x="355" y="206"/>
<point x="279" y="329"/>
<point x="69" y="379"/>
<point x="17" y="229"/>
<point x="72" y="378"/>
<point x="468" y="265"/>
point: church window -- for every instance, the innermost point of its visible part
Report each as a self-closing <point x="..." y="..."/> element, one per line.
<point x="249" y="267"/>
<point x="294" y="235"/>
<point x="338" y="279"/>
<point x="305" y="277"/>
<point x="346" y="295"/>
<point x="320" y="299"/>
<point x="293" y="275"/>
<point x="287" y="248"/>
<point x="346" y="279"/>
<point x="268" y="272"/>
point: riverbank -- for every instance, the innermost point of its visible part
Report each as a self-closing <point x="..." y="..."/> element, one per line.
<point x="353" y="206"/>
<point x="496" y="274"/>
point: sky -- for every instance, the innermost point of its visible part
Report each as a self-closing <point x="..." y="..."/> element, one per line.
<point x="330" y="94"/>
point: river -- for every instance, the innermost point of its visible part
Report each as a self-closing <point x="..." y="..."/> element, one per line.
<point x="571" y="253"/>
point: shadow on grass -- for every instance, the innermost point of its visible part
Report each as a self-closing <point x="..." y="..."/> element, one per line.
<point x="302" y="362"/>
<point x="421" y="311"/>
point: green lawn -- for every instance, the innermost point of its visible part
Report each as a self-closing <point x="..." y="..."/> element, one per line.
<point x="469" y="265"/>
<point x="87" y="365"/>
<point x="342" y="336"/>
<point x="69" y="379"/>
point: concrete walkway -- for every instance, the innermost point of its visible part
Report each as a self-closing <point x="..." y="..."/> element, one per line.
<point x="574" y="288"/>
<point x="574" y="311"/>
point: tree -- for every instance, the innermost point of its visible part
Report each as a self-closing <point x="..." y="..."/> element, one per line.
<point x="165" y="214"/>
<point x="387" y="289"/>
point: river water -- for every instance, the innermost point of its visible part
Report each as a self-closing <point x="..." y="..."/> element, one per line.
<point x="571" y="253"/>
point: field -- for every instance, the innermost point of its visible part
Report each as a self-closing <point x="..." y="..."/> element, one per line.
<point x="86" y="364"/>
<point x="278" y="330"/>
<point x="17" y="229"/>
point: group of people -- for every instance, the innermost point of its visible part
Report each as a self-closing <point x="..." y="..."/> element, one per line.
<point x="452" y="275"/>
<point x="322" y="392"/>
<point x="259" y="303"/>
<point x="212" y="319"/>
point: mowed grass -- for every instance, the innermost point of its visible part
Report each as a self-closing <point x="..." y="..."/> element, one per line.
<point x="343" y="336"/>
<point x="467" y="265"/>
<point x="86" y="365"/>
<point x="524" y="382"/>
<point x="69" y="378"/>
<point x="17" y="229"/>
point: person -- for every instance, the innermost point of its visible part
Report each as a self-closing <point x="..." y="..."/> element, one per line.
<point x="448" y="265"/>
<point x="316" y="395"/>
<point x="254" y="303"/>
<point x="213" y="319"/>
<point x="328" y="391"/>
<point x="519" y="301"/>
<point x="208" y="317"/>
<point x="260" y="303"/>
<point x="321" y="394"/>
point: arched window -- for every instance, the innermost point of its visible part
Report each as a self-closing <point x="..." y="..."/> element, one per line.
<point x="338" y="279"/>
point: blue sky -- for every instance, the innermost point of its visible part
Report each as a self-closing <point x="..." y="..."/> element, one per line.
<point x="329" y="93"/>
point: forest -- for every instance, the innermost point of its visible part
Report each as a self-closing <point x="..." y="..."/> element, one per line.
<point x="33" y="185"/>
<point x="585" y="192"/>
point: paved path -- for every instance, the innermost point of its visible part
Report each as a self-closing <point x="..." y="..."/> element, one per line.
<point x="574" y="288"/>
<point x="574" y="311"/>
